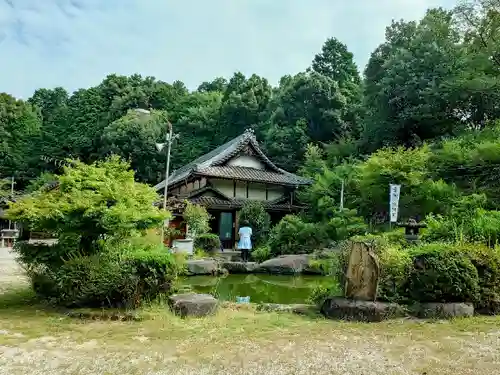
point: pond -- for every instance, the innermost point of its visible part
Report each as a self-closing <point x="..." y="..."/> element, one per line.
<point x="260" y="288"/>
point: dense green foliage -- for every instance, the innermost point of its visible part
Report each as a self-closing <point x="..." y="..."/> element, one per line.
<point x="208" y="242"/>
<point x="442" y="273"/>
<point x="103" y="257"/>
<point x="197" y="219"/>
<point x="425" y="114"/>
<point x="90" y="204"/>
<point x="294" y="236"/>
<point x="259" y="220"/>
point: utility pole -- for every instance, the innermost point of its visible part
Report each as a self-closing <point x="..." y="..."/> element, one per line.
<point x="11" y="196"/>
<point x="342" y="196"/>
<point x="169" y="137"/>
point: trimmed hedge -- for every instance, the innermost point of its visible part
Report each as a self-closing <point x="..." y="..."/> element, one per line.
<point x="107" y="281"/>
<point x="442" y="273"/>
<point x="486" y="260"/>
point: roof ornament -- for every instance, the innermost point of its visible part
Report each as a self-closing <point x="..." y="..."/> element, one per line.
<point x="249" y="132"/>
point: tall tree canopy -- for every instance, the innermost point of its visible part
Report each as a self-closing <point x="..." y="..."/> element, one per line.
<point x="432" y="82"/>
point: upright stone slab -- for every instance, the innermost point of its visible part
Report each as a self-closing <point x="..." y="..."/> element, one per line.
<point x="363" y="272"/>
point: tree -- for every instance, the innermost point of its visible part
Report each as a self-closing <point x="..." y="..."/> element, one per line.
<point x="91" y="203"/>
<point x="243" y="105"/>
<point x="19" y="124"/>
<point x="316" y="99"/>
<point x="410" y="168"/>
<point x="133" y="137"/>
<point x="259" y="220"/>
<point x="198" y="126"/>
<point x="218" y="84"/>
<point x="286" y="145"/>
<point x="336" y="62"/>
<point x="412" y="98"/>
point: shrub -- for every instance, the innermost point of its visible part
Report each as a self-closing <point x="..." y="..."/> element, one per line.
<point x="197" y="218"/>
<point x="208" y="242"/>
<point x="108" y="280"/>
<point x="326" y="262"/>
<point x="487" y="263"/>
<point x="293" y="236"/>
<point x="395" y="267"/>
<point x="442" y="273"/>
<point x="89" y="281"/>
<point x="320" y="293"/>
<point x="155" y="270"/>
<point x="258" y="219"/>
<point x="33" y="255"/>
<point x="261" y="254"/>
<point x="91" y="202"/>
<point x="345" y="224"/>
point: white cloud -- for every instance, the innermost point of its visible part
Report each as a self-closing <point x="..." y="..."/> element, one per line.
<point x="75" y="43"/>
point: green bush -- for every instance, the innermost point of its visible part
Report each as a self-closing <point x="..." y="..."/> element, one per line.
<point x="320" y="293"/>
<point x="90" y="281"/>
<point x="395" y="267"/>
<point x="442" y="273"/>
<point x="487" y="263"/>
<point x="326" y="262"/>
<point x="197" y="218"/>
<point x="258" y="219"/>
<point x="345" y="224"/>
<point x="113" y="280"/>
<point x="208" y="242"/>
<point x="155" y="270"/>
<point x="261" y="254"/>
<point x="294" y="236"/>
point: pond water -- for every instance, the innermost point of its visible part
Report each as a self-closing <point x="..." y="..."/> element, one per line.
<point x="260" y="288"/>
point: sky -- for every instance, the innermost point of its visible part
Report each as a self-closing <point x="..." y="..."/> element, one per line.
<point x="76" y="43"/>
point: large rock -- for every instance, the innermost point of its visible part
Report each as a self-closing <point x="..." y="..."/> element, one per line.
<point x="239" y="267"/>
<point x="361" y="311"/>
<point x="444" y="310"/>
<point x="285" y="264"/>
<point x="362" y="274"/>
<point x="203" y="267"/>
<point x="191" y="304"/>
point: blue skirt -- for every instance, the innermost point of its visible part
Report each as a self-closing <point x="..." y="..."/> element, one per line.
<point x="245" y="243"/>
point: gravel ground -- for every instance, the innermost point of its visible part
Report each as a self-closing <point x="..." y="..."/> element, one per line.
<point x="236" y="341"/>
<point x="10" y="272"/>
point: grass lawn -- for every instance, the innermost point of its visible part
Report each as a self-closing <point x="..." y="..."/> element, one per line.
<point x="36" y="340"/>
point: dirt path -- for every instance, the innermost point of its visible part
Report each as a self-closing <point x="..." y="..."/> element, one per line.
<point x="10" y="272"/>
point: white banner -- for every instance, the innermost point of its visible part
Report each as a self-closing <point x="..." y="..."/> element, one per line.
<point x="394" y="191"/>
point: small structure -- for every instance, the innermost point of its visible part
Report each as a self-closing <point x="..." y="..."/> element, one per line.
<point x="412" y="229"/>
<point x="8" y="230"/>
<point x="227" y="177"/>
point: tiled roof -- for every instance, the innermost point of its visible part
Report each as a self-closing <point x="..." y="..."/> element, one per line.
<point x="221" y="155"/>
<point x="252" y="174"/>
<point x="238" y="203"/>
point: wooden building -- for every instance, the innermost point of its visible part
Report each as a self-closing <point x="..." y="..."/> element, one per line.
<point x="227" y="177"/>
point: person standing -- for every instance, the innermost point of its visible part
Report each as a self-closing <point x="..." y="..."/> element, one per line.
<point x="245" y="240"/>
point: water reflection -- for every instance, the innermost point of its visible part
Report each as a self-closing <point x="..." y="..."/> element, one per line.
<point x="260" y="288"/>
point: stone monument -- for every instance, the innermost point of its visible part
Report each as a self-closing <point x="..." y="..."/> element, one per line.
<point x="412" y="228"/>
<point x="363" y="273"/>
